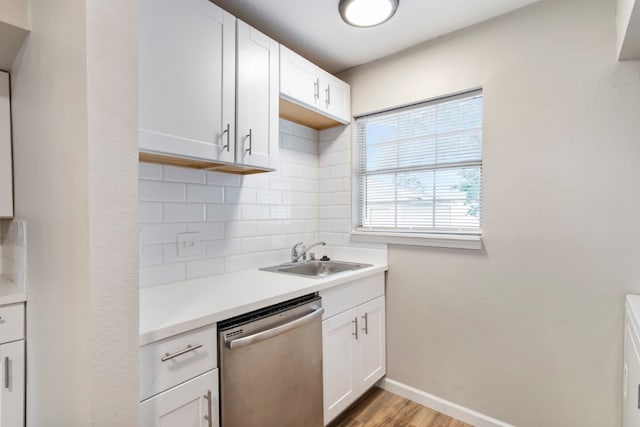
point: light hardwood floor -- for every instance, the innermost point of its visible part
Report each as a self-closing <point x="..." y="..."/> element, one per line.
<point x="380" y="408"/>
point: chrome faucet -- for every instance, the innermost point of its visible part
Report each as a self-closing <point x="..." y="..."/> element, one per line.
<point x="299" y="250"/>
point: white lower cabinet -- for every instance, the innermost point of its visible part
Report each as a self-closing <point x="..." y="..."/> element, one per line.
<point x="631" y="392"/>
<point x="191" y="404"/>
<point x="12" y="394"/>
<point x="353" y="351"/>
<point x="179" y="380"/>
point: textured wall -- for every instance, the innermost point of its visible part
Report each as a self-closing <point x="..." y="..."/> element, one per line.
<point x="529" y="330"/>
<point x="74" y="113"/>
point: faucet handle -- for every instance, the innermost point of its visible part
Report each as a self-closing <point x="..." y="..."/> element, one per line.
<point x="312" y="256"/>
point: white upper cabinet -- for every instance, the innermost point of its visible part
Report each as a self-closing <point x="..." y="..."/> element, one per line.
<point x="257" y="98"/>
<point x="326" y="99"/>
<point x="6" y="168"/>
<point x="336" y="97"/>
<point x="208" y="88"/>
<point x="299" y="78"/>
<point x="187" y="75"/>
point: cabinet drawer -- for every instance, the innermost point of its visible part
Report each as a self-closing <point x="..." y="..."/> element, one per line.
<point x="11" y="322"/>
<point x="343" y="297"/>
<point x="167" y="363"/>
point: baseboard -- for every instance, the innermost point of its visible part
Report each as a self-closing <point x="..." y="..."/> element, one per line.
<point x="436" y="403"/>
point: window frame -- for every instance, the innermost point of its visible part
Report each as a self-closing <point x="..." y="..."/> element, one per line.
<point x="444" y="239"/>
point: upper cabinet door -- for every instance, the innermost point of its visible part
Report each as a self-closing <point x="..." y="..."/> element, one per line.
<point x="299" y="78"/>
<point x="6" y="175"/>
<point x="187" y="79"/>
<point x="336" y="96"/>
<point x="257" y="98"/>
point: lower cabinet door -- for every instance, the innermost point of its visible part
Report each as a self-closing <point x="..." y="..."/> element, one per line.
<point x="371" y="359"/>
<point x="338" y="355"/>
<point x="191" y="404"/>
<point x="631" y="392"/>
<point x="12" y="394"/>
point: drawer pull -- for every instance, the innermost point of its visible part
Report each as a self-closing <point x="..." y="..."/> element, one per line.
<point x="366" y="323"/>
<point x="209" y="415"/>
<point x="355" y="320"/>
<point x="189" y="348"/>
<point x="7" y="371"/>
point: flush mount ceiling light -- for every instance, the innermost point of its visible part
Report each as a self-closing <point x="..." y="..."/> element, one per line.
<point x="367" y="13"/>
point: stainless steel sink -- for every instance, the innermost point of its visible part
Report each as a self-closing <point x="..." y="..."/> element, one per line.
<point x="315" y="269"/>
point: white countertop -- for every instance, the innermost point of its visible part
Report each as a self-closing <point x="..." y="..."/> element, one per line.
<point x="170" y="309"/>
<point x="10" y="293"/>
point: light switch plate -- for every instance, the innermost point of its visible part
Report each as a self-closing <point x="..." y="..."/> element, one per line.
<point x="188" y="244"/>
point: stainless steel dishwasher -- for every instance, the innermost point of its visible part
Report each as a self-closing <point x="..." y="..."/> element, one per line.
<point x="271" y="366"/>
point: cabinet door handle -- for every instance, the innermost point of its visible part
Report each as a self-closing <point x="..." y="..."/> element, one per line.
<point x="187" y="349"/>
<point x="316" y="89"/>
<point x="328" y="93"/>
<point x="228" y="132"/>
<point x="356" y="322"/>
<point x="7" y="371"/>
<point x="250" y="142"/>
<point x="208" y="416"/>
<point x="366" y="323"/>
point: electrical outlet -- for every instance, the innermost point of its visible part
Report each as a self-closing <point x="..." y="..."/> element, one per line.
<point x="188" y="244"/>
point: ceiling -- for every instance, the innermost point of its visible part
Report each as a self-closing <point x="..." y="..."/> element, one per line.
<point x="314" y="29"/>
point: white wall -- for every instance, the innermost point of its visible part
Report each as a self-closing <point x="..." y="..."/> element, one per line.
<point x="74" y="111"/>
<point x="529" y="330"/>
<point x="243" y="222"/>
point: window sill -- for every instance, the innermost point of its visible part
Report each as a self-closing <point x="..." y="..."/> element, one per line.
<point x="456" y="241"/>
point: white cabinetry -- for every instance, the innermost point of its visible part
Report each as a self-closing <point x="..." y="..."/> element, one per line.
<point x="353" y="347"/>
<point x="304" y="84"/>
<point x="12" y="365"/>
<point x="257" y="97"/>
<point x="207" y="82"/>
<point x="179" y="380"/>
<point x="192" y="404"/>
<point x="631" y="378"/>
<point x="6" y="164"/>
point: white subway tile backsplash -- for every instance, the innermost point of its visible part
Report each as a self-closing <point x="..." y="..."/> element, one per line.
<point x="149" y="171"/>
<point x="172" y="173"/>
<point x="240" y="262"/>
<point x="224" y="179"/>
<point x="222" y="212"/>
<point x="161" y="232"/>
<point x="256" y="244"/>
<point x="151" y="255"/>
<point x="239" y="195"/>
<point x="163" y="273"/>
<point x="269" y="197"/>
<point x="183" y="212"/>
<point x="170" y="253"/>
<point x="204" y="193"/>
<point x="250" y="221"/>
<point x="205" y="267"/>
<point x="241" y="229"/>
<point x="304" y="132"/>
<point x="254" y="212"/>
<point x="258" y="180"/>
<point x="149" y="212"/>
<point x="160" y="191"/>
<point x="207" y="230"/>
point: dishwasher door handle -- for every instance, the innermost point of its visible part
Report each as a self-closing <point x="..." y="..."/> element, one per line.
<point x="270" y="333"/>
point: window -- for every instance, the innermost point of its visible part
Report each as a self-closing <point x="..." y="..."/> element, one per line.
<point x="419" y="169"/>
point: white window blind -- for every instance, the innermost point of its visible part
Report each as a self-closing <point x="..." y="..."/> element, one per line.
<point x="420" y="167"/>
